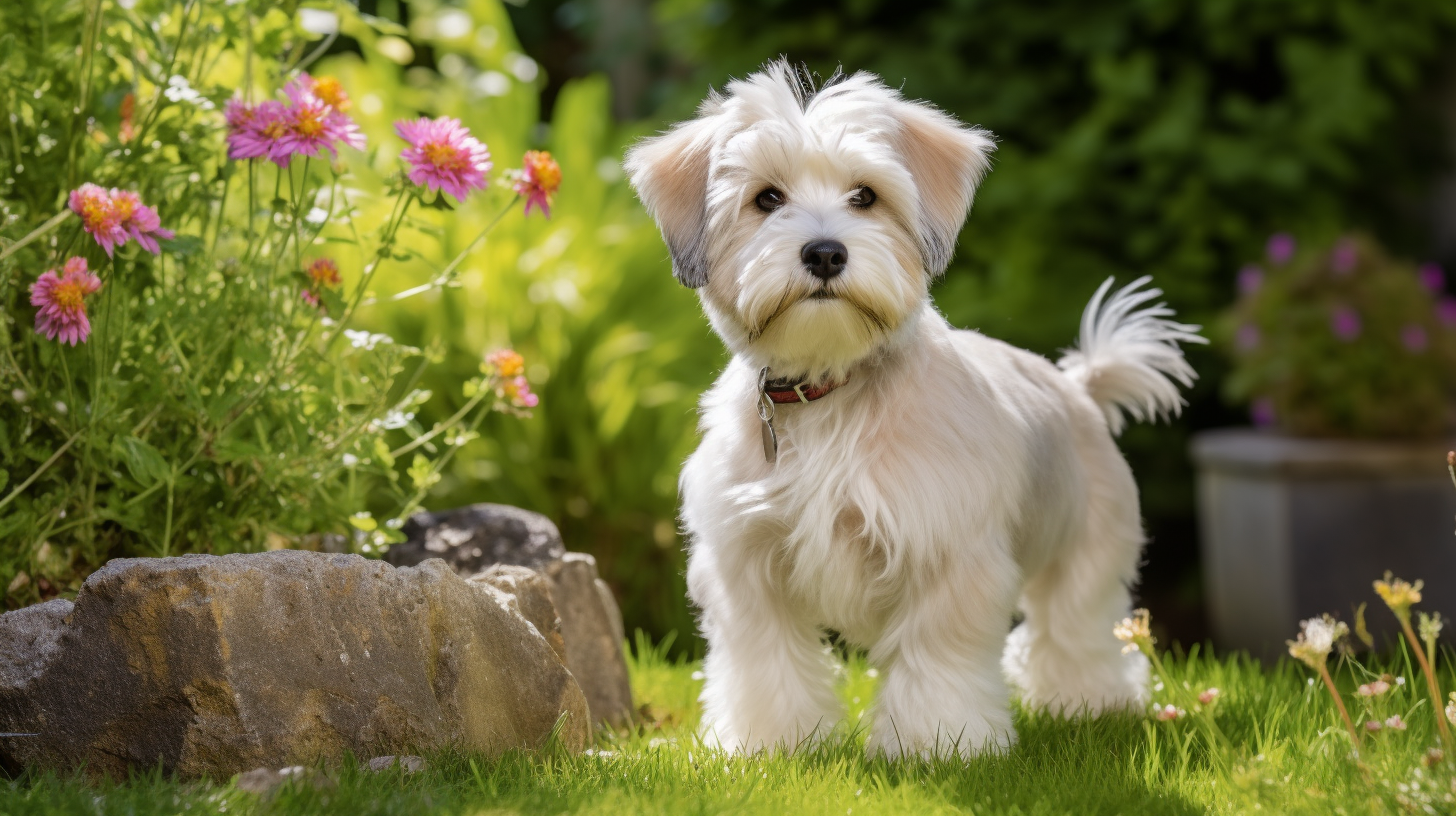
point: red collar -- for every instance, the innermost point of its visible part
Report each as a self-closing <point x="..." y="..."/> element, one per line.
<point x="782" y="391"/>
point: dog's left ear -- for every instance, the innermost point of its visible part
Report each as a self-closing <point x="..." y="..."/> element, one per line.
<point x="670" y="174"/>
<point x="947" y="160"/>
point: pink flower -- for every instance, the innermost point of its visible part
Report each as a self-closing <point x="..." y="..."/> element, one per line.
<point x="1344" y="257"/>
<point x="1248" y="337"/>
<point x="1251" y="278"/>
<point x="138" y="220"/>
<point x="1345" y="323"/>
<point x="98" y="216"/>
<point x="1373" y="725"/>
<point x="1413" y="337"/>
<point x="318" y="119"/>
<point x="61" y="302"/>
<point x="1261" y="412"/>
<point x="117" y="216"/>
<point x="1446" y="311"/>
<point x="1168" y="712"/>
<point x="1395" y="722"/>
<point x="258" y="131"/>
<point x="518" y="391"/>
<point x="444" y="156"/>
<point x="1374" y="689"/>
<point x="540" y="179"/>
<point x="1280" y="248"/>
<point x="1433" y="277"/>
<point x="1208" y="696"/>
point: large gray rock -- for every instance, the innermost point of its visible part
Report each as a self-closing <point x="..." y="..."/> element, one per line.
<point x="482" y="540"/>
<point x="219" y="664"/>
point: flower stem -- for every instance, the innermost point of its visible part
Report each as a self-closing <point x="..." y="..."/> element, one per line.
<point x="35" y="233"/>
<point x="1324" y="673"/>
<point x="1430" y="674"/>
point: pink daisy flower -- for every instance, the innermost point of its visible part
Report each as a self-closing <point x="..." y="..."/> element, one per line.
<point x="138" y="220"/>
<point x="444" y="156"/>
<point x="318" y="107"/>
<point x="258" y="131"/>
<point x="540" y="179"/>
<point x="61" y="302"/>
<point x="98" y="216"/>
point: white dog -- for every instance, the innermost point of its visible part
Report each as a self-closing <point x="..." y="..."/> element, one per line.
<point x="868" y="469"/>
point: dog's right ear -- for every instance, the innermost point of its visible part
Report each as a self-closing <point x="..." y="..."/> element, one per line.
<point x="670" y="174"/>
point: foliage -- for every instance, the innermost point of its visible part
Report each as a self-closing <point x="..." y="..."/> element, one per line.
<point x="1291" y="757"/>
<point x="224" y="400"/>
<point x="1342" y="340"/>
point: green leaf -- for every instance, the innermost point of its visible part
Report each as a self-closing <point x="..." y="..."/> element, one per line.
<point x="146" y="464"/>
<point x="362" y="520"/>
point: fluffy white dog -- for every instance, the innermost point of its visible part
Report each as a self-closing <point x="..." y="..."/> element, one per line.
<point x="868" y="469"/>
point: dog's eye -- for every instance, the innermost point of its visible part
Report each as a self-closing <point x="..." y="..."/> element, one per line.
<point x="771" y="199"/>
<point x="862" y="198"/>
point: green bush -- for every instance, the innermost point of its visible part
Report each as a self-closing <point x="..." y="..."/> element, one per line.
<point x="224" y="400"/>
<point x="1341" y="340"/>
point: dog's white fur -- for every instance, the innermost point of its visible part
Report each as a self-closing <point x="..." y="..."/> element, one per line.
<point x="951" y="479"/>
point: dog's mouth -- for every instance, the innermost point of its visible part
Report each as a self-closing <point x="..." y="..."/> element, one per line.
<point x="823" y="294"/>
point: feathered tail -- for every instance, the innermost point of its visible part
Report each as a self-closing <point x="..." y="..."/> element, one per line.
<point x="1128" y="357"/>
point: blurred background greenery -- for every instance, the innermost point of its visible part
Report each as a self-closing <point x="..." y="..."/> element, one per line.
<point x="1168" y="138"/>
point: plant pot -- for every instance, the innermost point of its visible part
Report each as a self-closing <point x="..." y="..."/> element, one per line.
<point x="1295" y="527"/>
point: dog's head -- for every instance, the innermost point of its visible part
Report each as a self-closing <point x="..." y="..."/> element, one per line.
<point x="811" y="220"/>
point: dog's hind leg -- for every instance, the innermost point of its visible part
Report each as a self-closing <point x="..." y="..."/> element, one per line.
<point x="768" y="677"/>
<point x="1063" y="657"/>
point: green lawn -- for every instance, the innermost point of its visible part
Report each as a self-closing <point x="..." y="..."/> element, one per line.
<point x="1288" y="753"/>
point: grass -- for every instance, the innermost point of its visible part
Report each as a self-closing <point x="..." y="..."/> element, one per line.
<point x="1288" y="754"/>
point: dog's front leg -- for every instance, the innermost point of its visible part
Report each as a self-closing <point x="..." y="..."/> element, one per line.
<point x="943" y="692"/>
<point x="768" y="681"/>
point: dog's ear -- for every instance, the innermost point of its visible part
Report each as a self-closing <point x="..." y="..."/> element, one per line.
<point x="947" y="160"/>
<point x="670" y="175"/>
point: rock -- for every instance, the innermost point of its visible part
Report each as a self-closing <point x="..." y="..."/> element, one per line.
<point x="478" y="539"/>
<point x="530" y="597"/>
<point x="410" y="764"/>
<point x="220" y="664"/>
<point x="591" y="625"/>
<point x="264" y="781"/>
<point x="474" y="538"/>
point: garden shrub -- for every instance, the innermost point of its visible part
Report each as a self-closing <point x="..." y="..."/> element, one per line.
<point x="220" y="236"/>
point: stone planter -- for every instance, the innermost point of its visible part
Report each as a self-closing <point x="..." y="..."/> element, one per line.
<point x="1295" y="527"/>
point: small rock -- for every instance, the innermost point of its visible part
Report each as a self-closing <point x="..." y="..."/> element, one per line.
<point x="218" y="664"/>
<point x="410" y="764"/>
<point x="265" y="781"/>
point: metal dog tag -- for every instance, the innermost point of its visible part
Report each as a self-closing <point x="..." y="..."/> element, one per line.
<point x="766" y="416"/>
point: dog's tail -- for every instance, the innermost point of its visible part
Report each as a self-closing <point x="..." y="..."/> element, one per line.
<point x="1128" y="357"/>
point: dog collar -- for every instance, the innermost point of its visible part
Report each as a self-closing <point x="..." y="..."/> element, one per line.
<point x="782" y="391"/>
<point x="779" y="392"/>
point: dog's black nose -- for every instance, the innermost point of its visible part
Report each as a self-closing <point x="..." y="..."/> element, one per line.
<point x="825" y="259"/>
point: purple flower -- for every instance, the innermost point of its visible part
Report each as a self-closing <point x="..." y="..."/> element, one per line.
<point x="1432" y="277"/>
<point x="1251" y="277"/>
<point x="1280" y="248"/>
<point x="1261" y="412"/>
<point x="1446" y="311"/>
<point x="1345" y="257"/>
<point x="1345" y="323"/>
<point x="1414" y="338"/>
<point x="1248" y="337"/>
